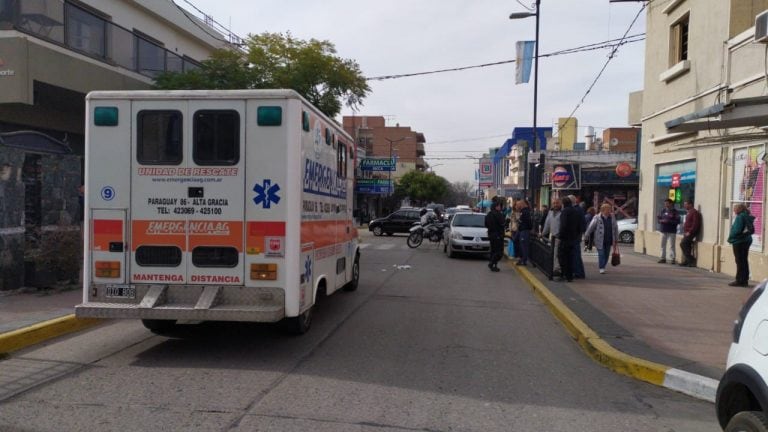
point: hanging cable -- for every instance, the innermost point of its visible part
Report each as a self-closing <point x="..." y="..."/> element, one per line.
<point x="613" y="43"/>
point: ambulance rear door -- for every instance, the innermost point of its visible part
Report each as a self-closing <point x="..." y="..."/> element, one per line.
<point x="187" y="192"/>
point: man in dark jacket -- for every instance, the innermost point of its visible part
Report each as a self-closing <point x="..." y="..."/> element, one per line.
<point x="741" y="238"/>
<point x="524" y="227"/>
<point x="569" y="236"/>
<point x="494" y="222"/>
<point x="691" y="229"/>
<point x="669" y="219"/>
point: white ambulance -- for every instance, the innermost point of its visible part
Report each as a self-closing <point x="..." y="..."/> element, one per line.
<point x="215" y="206"/>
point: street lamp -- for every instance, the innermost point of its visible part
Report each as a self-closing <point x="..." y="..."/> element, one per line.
<point x="534" y="148"/>
<point x="391" y="142"/>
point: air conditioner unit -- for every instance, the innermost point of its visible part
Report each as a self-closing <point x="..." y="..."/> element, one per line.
<point x="761" y="27"/>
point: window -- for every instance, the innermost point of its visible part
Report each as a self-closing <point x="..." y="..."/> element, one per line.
<point x="158" y="256"/>
<point x="216" y="137"/>
<point x="208" y="256"/>
<point x="151" y="57"/>
<point x="675" y="181"/>
<point x="678" y="41"/>
<point x="174" y="63"/>
<point x="159" y="137"/>
<point x="749" y="186"/>
<point x="85" y="31"/>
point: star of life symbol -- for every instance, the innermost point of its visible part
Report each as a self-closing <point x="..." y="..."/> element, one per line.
<point x="266" y="194"/>
<point x="307" y="269"/>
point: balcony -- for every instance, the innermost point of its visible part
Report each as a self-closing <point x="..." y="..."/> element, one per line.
<point x="420" y="150"/>
<point x="420" y="164"/>
<point x="86" y="32"/>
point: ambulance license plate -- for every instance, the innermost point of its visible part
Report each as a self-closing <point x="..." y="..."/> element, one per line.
<point x="120" y="291"/>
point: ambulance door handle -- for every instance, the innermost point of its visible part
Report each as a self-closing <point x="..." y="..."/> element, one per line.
<point x="116" y="246"/>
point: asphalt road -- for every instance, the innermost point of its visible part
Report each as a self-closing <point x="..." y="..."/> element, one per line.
<point x="444" y="345"/>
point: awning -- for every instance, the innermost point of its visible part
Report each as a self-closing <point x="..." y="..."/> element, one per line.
<point x="737" y="113"/>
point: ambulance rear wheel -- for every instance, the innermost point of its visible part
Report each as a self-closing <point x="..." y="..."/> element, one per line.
<point x="352" y="284"/>
<point x="159" y="326"/>
<point x="300" y="324"/>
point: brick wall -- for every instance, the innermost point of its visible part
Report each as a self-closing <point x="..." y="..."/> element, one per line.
<point x="627" y="138"/>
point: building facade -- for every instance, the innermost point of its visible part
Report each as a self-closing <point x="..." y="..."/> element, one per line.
<point x="52" y="53"/>
<point x="703" y="118"/>
<point x="405" y="147"/>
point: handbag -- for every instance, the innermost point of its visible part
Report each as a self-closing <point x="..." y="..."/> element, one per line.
<point x="615" y="256"/>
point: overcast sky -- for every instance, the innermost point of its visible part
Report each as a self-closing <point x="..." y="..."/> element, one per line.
<point x="465" y="112"/>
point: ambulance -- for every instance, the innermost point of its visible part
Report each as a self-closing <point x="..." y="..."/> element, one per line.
<point x="231" y="205"/>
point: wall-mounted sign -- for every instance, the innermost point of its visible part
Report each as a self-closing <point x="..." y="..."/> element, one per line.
<point x="623" y="169"/>
<point x="486" y="172"/>
<point x="378" y="164"/>
<point x="566" y="176"/>
<point x="373" y="186"/>
<point x="5" y="72"/>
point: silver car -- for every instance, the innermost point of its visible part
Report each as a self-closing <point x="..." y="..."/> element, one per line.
<point x="467" y="234"/>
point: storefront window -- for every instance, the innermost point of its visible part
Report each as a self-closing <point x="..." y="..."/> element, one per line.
<point x="675" y="181"/>
<point x="749" y="186"/>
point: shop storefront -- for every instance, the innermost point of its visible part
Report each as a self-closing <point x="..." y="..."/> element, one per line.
<point x="675" y="181"/>
<point x="748" y="186"/>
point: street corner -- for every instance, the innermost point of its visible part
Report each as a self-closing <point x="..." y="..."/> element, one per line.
<point x="605" y="354"/>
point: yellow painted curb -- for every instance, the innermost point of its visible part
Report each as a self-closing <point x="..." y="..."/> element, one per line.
<point x="22" y="338"/>
<point x="597" y="348"/>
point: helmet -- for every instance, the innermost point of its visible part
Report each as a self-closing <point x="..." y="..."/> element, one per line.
<point x="423" y="212"/>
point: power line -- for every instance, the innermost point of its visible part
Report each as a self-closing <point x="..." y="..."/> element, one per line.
<point x="615" y="43"/>
<point x="599" y="74"/>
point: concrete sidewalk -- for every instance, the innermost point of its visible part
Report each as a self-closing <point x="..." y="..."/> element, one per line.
<point x="680" y="319"/>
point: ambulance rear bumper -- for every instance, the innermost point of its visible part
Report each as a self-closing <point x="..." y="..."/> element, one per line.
<point x="196" y="303"/>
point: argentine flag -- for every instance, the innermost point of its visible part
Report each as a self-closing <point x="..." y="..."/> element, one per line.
<point x="523" y="61"/>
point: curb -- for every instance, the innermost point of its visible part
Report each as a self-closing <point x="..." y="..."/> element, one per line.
<point x="40" y="332"/>
<point x="698" y="386"/>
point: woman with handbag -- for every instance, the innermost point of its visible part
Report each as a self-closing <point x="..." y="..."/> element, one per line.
<point x="606" y="232"/>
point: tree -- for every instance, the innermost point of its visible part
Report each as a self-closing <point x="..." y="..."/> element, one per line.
<point x="460" y="192"/>
<point x="421" y="187"/>
<point x="276" y="60"/>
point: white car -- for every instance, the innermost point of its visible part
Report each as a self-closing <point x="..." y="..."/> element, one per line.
<point x="627" y="228"/>
<point x="466" y="234"/>
<point x="742" y="395"/>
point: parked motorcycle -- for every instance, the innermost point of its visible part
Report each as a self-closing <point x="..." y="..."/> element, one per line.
<point x="433" y="232"/>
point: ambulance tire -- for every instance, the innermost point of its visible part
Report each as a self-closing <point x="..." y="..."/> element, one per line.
<point x="159" y="326"/>
<point x="352" y="285"/>
<point x="300" y="324"/>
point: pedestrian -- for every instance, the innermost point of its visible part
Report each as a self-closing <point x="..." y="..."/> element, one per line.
<point x="551" y="229"/>
<point x="494" y="222"/>
<point x="589" y="241"/>
<point x="741" y="238"/>
<point x="569" y="236"/>
<point x="668" y="219"/>
<point x="691" y="228"/>
<point x="606" y="235"/>
<point x="524" y="227"/>
<point x="544" y="214"/>
<point x="578" y="263"/>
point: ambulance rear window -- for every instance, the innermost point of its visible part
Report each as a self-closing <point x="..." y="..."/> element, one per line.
<point x="216" y="137"/>
<point x="158" y="256"/>
<point x="208" y="256"/>
<point x="159" y="137"/>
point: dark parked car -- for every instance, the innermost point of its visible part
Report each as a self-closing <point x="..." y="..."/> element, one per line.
<point x="397" y="222"/>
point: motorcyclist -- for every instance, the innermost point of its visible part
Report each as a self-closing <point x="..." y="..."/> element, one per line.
<point x="425" y="217"/>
